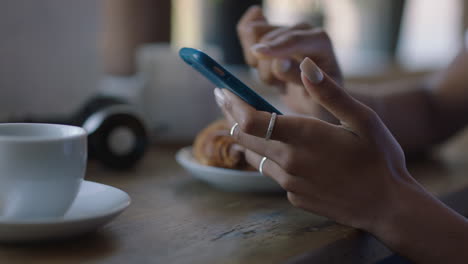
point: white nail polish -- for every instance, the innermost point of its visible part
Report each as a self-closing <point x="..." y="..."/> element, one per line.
<point x="311" y="71"/>
<point x="259" y="48"/>
<point x="219" y="97"/>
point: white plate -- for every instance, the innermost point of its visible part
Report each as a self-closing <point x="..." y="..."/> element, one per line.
<point x="95" y="205"/>
<point x="226" y="179"/>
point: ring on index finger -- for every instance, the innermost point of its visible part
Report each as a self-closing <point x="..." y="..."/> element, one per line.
<point x="271" y="125"/>
<point x="233" y="129"/>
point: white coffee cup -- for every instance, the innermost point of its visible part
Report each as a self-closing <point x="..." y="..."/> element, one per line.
<point x="41" y="169"/>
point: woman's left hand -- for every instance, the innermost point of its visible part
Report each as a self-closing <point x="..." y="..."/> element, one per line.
<point x="348" y="172"/>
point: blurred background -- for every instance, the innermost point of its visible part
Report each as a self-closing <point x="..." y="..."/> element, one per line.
<point x="57" y="54"/>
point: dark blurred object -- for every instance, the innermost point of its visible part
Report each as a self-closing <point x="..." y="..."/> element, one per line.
<point x="117" y="133"/>
<point x="465" y="15"/>
<point x="396" y="11"/>
<point x="395" y="259"/>
<point x="219" y="27"/>
<point x="128" y="24"/>
<point x="380" y="23"/>
<point x="317" y="17"/>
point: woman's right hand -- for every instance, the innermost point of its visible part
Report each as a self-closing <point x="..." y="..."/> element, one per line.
<point x="353" y="173"/>
<point x="348" y="172"/>
<point x="276" y="52"/>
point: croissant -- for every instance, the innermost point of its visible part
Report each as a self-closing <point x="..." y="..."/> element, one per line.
<point x="214" y="146"/>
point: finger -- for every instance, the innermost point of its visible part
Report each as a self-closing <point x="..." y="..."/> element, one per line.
<point x="219" y="98"/>
<point x="294" y="44"/>
<point x="245" y="29"/>
<point x="282" y="30"/>
<point x="275" y="150"/>
<point x="254" y="13"/>
<point x="249" y="35"/>
<point x="251" y="27"/>
<point x="273" y="170"/>
<point x="287" y="129"/>
<point x="309" y="202"/>
<point x="284" y="46"/>
<point x="285" y="66"/>
<point x="278" y="71"/>
<point x="265" y="72"/>
<point x="287" y="71"/>
<point x="290" y="156"/>
<point x="326" y="92"/>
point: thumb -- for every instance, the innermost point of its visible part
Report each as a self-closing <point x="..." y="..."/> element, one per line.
<point x="285" y="50"/>
<point x="326" y="92"/>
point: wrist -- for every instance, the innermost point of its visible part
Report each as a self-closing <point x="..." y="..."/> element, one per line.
<point x="418" y="225"/>
<point x="403" y="196"/>
<point x="388" y="205"/>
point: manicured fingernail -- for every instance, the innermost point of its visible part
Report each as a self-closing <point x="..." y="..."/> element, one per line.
<point x="219" y="97"/>
<point x="260" y="48"/>
<point x="311" y="71"/>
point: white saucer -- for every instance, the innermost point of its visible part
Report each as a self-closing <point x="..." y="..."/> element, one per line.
<point x="95" y="205"/>
<point x="226" y="179"/>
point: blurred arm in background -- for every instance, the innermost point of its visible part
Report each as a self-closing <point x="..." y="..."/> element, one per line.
<point x="419" y="113"/>
<point x="426" y="111"/>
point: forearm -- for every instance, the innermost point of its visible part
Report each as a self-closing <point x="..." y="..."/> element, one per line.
<point x="418" y="226"/>
<point x="422" y="112"/>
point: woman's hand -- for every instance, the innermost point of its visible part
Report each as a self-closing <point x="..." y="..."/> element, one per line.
<point x="353" y="173"/>
<point x="347" y="172"/>
<point x="277" y="51"/>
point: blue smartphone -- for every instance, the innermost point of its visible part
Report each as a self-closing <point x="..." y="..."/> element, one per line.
<point x="222" y="78"/>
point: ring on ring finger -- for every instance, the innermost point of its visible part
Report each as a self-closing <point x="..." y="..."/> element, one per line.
<point x="262" y="163"/>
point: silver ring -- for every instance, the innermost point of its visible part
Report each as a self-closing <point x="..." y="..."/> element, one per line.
<point x="260" y="167"/>
<point x="233" y="128"/>
<point x="271" y="125"/>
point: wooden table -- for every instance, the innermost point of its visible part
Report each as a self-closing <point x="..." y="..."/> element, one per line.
<point x="177" y="219"/>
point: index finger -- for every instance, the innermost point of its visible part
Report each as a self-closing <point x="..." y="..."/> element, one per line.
<point x="287" y="129"/>
<point x="251" y="27"/>
<point x="254" y="13"/>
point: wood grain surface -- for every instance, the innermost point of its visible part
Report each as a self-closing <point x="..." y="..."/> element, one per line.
<point x="174" y="218"/>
